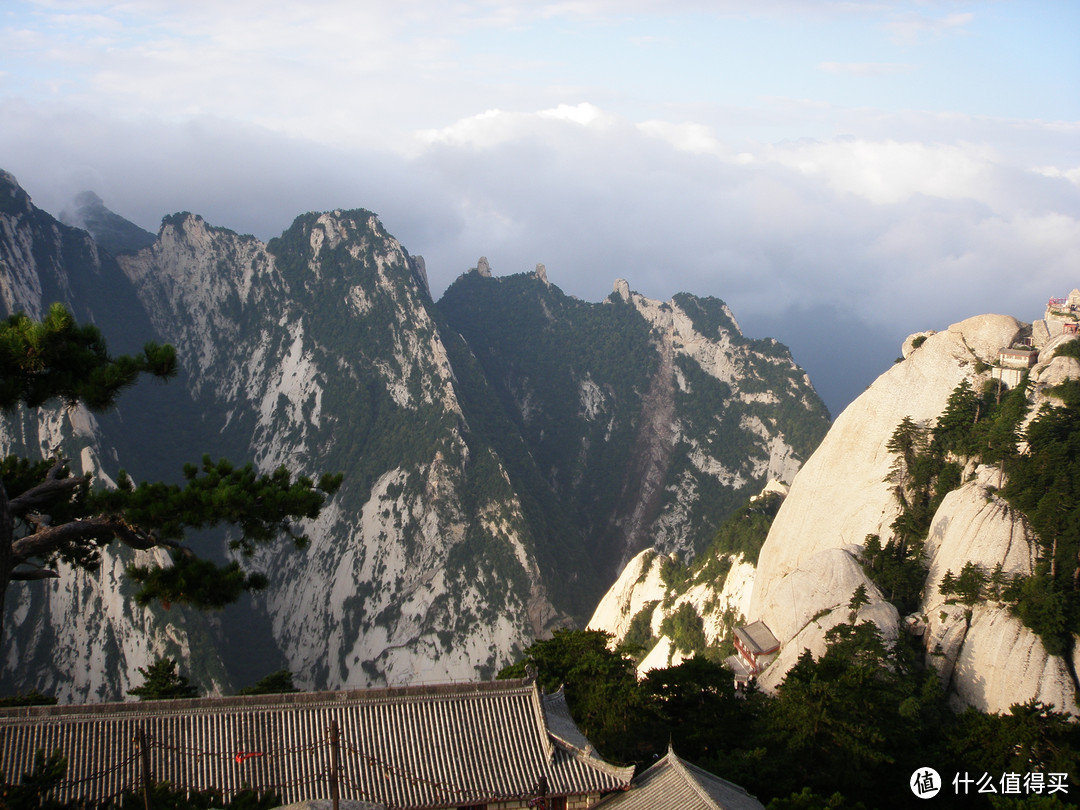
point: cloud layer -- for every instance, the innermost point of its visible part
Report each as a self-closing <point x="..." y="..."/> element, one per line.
<point x="766" y="161"/>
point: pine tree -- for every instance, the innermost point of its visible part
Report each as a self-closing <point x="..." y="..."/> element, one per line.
<point x="163" y="681"/>
<point x="276" y="683"/>
<point x="858" y="599"/>
<point x="47" y="515"/>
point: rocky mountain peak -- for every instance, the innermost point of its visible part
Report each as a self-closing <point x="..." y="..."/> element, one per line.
<point x="812" y="561"/>
<point x="110" y="230"/>
<point x="420" y="270"/>
<point x="88" y="199"/>
<point x="13" y="199"/>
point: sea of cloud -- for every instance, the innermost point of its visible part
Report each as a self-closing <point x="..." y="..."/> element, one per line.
<point x="839" y="245"/>
<point x="835" y="246"/>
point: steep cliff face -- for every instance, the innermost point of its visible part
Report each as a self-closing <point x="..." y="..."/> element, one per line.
<point x="320" y="351"/>
<point x="652" y="421"/>
<point x="742" y="414"/>
<point x="984" y="653"/>
<point x="810" y="564"/>
<point x="842" y="493"/>
<point x="81" y="636"/>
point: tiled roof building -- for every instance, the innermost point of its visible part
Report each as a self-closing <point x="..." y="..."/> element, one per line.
<point x="755" y="648"/>
<point x="464" y="745"/>
<point x="672" y="784"/>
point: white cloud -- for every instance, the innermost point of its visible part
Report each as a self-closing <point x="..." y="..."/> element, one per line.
<point x="252" y="112"/>
<point x="866" y="69"/>
<point x="910" y="27"/>
<point x="1072" y="175"/>
<point x="687" y="137"/>
<point x="585" y="114"/>
<point x="889" y="171"/>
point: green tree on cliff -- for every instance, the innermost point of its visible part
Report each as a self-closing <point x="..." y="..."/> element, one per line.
<point x="48" y="516"/>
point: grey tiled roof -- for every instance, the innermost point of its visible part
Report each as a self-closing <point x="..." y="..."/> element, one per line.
<point x="758" y="637"/>
<point x="326" y="804"/>
<point x="736" y="665"/>
<point x="408" y="747"/>
<point x="672" y="784"/>
<point x="561" y="725"/>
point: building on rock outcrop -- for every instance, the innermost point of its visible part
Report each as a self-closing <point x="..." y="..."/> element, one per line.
<point x="1062" y="317"/>
<point x="756" y="647"/>
<point x="1013" y="363"/>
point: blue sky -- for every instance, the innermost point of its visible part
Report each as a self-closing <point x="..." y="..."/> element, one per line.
<point x="842" y="173"/>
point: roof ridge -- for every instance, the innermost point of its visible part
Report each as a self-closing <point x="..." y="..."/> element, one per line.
<point x="686" y="770"/>
<point x="541" y="713"/>
<point x="588" y="756"/>
<point x="683" y="771"/>
<point x="624" y="773"/>
<point x="277" y="701"/>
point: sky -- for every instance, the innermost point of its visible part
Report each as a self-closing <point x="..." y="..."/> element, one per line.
<point x="842" y="174"/>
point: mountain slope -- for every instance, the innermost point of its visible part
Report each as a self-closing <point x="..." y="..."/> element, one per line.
<point x="846" y="494"/>
<point x="648" y="421"/>
<point x="502" y="450"/>
<point x="334" y="362"/>
<point x="81" y="636"/>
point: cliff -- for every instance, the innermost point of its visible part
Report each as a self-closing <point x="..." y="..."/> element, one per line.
<point x="502" y="450"/>
<point x="847" y="492"/>
<point x="843" y="505"/>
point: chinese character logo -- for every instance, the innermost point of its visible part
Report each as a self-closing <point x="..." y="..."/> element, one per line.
<point x="925" y="783"/>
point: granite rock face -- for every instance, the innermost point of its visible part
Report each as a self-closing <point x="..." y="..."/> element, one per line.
<point x="809" y="567"/>
<point x="841" y="493"/>
<point x="482" y="505"/>
<point x="984" y="653"/>
<point x="642" y="597"/>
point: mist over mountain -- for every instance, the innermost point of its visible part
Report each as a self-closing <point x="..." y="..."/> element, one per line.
<point x="505" y="449"/>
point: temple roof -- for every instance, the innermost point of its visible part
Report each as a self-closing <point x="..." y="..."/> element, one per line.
<point x="672" y="784"/>
<point x="407" y="747"/>
<point x="758" y="638"/>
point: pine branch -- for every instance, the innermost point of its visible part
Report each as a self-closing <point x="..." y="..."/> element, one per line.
<point x="48" y="491"/>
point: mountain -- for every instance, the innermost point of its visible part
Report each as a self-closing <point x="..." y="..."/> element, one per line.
<point x="934" y="491"/>
<point x="318" y="350"/>
<point x="111" y="231"/>
<point x="80" y="637"/>
<point x="644" y="423"/>
<point x="504" y="449"/>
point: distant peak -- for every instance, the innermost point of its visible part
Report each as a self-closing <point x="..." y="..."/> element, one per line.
<point x="482" y="267"/>
<point x="622" y="289"/>
<point x="86" y="208"/>
<point x="110" y="230"/>
<point x="13" y="198"/>
<point x="541" y="273"/>
<point x="88" y="199"/>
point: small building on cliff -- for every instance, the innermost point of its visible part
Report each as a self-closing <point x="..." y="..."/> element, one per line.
<point x="1013" y="363"/>
<point x="500" y="744"/>
<point x="755" y="648"/>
